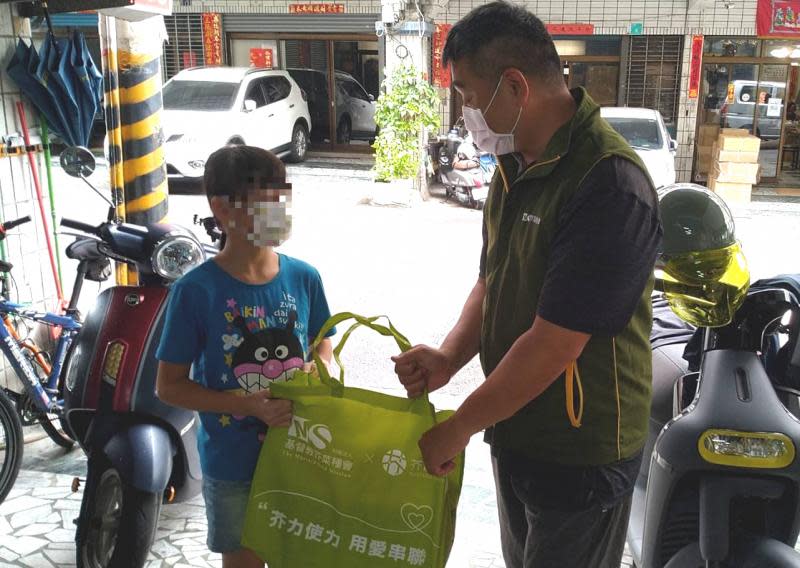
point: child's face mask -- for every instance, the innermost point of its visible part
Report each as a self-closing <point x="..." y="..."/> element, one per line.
<point x="268" y="214"/>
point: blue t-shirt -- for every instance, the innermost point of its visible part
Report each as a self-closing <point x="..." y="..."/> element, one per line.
<point x="241" y="337"/>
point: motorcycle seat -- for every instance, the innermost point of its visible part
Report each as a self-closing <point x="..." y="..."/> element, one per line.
<point x="85" y="249"/>
<point x="5" y="266"/>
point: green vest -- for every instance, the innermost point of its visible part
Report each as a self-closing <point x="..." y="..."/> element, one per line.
<point x="615" y="373"/>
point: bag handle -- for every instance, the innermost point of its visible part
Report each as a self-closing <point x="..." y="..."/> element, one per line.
<point x="386" y="330"/>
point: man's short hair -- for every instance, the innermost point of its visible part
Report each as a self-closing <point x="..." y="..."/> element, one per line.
<point x="499" y="35"/>
<point x="235" y="170"/>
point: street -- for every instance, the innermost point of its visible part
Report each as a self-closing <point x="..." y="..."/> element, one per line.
<point x="415" y="265"/>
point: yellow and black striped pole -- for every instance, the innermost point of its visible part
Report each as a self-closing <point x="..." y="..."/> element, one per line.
<point x="133" y="115"/>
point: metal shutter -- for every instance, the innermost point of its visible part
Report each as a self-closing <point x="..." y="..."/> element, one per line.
<point x="654" y="74"/>
<point x="185" y="46"/>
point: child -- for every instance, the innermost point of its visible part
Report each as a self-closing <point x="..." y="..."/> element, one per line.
<point x="243" y="320"/>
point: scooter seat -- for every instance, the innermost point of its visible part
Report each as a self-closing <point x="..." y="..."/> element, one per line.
<point x="85" y="249"/>
<point x="668" y="366"/>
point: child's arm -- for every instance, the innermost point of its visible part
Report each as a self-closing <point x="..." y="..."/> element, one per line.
<point x="174" y="387"/>
<point x="325" y="351"/>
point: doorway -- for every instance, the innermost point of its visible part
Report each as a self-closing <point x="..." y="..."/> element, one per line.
<point x="340" y="76"/>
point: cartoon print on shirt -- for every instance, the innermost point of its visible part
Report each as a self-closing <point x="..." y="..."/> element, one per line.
<point x="270" y="354"/>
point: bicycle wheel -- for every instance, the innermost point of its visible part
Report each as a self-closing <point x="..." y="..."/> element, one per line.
<point x="11" y="445"/>
<point x="51" y="423"/>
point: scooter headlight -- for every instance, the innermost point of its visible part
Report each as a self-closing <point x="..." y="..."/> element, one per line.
<point x="177" y="255"/>
<point x="746" y="449"/>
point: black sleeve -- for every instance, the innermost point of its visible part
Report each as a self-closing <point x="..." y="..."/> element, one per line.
<point x="603" y="251"/>
<point x="482" y="266"/>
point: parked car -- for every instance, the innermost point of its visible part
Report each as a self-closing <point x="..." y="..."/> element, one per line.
<point x="208" y="107"/>
<point x="751" y="97"/>
<point x="355" y="108"/>
<point x="645" y="131"/>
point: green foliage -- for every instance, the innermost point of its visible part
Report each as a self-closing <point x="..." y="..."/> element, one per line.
<point x="408" y="105"/>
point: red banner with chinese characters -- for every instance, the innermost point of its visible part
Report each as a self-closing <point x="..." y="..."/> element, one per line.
<point x="316" y="8"/>
<point x="441" y="73"/>
<point x="778" y="18"/>
<point x="695" y="66"/>
<point x="570" y="29"/>
<point x="261" y="57"/>
<point x="212" y="38"/>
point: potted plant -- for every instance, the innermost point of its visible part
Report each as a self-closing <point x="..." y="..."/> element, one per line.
<point x="406" y="111"/>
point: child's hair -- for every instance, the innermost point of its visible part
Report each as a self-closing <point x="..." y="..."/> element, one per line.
<point x="235" y="169"/>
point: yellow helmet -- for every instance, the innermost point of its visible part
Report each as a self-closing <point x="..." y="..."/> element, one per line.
<point x="703" y="269"/>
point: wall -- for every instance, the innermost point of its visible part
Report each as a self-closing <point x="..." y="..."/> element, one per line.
<point x="26" y="247"/>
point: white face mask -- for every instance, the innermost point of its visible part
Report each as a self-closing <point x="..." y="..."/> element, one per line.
<point x="486" y="139"/>
<point x="272" y="223"/>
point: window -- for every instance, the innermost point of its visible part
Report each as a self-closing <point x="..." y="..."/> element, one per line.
<point x="641" y="133"/>
<point x="731" y="47"/>
<point x="199" y="95"/>
<point x="185" y="46"/>
<point x="277" y="88"/>
<point x="255" y="92"/>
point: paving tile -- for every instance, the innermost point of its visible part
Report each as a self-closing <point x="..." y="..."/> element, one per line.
<point x="35" y="561"/>
<point x="8" y="555"/>
<point x="37" y="529"/>
<point x="30" y="516"/>
<point x="21" y="504"/>
<point x="22" y="545"/>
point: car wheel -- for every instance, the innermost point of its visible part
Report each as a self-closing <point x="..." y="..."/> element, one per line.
<point x="344" y="131"/>
<point x="299" y="143"/>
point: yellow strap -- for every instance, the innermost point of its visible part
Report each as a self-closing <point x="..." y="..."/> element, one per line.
<point x="573" y="376"/>
<point x="503" y="175"/>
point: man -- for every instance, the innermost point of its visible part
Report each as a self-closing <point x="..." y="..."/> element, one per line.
<point x="560" y="312"/>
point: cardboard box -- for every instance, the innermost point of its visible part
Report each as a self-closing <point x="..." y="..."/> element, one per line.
<point x="731" y="140"/>
<point x="732" y="172"/>
<point x="734" y="156"/>
<point x="731" y="192"/>
<point x="707" y="134"/>
<point x="705" y="159"/>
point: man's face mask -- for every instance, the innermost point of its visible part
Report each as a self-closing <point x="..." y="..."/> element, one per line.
<point x="486" y="139"/>
<point x="269" y="215"/>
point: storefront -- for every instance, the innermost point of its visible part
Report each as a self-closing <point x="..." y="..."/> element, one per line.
<point x="753" y="85"/>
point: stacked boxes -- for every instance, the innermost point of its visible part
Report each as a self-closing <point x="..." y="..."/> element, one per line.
<point x="706" y="138"/>
<point x="734" y="165"/>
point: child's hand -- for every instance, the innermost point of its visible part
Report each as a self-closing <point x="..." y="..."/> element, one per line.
<point x="271" y="411"/>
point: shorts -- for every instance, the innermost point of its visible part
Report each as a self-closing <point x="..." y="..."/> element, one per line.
<point x="226" y="505"/>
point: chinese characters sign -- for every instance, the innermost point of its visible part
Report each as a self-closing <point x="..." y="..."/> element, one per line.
<point x="695" y="66"/>
<point x="778" y="18"/>
<point x="212" y="38"/>
<point x="570" y="29"/>
<point x="441" y="73"/>
<point x="316" y="8"/>
<point x="261" y="57"/>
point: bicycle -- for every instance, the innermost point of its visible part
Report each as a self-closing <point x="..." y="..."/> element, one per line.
<point x="42" y="399"/>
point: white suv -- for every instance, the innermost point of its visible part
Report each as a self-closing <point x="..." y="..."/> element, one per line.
<point x="208" y="107"/>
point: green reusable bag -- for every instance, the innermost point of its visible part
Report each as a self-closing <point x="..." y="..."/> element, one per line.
<point x="345" y="485"/>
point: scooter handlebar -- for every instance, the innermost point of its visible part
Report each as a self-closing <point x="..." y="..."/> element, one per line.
<point x="78" y="226"/>
<point x="15" y="223"/>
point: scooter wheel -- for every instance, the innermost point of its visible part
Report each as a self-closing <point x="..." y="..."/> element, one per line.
<point x="117" y="522"/>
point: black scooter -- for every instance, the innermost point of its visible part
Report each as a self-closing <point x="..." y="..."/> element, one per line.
<point x="720" y="482"/>
<point x="141" y="452"/>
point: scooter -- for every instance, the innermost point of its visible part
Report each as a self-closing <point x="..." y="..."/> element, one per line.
<point x="720" y="482"/>
<point x="464" y="177"/>
<point x="141" y="452"/>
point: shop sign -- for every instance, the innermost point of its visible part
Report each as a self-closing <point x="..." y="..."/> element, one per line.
<point x="637" y="28"/>
<point x="441" y="73"/>
<point x="316" y="8"/>
<point x="212" y="38"/>
<point x="778" y="18"/>
<point x="731" y="92"/>
<point x="570" y="29"/>
<point x="261" y="57"/>
<point x="695" y="66"/>
<point x="774" y="108"/>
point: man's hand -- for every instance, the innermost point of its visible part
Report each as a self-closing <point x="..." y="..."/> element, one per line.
<point x="421" y="368"/>
<point x="441" y="445"/>
<point x="271" y="411"/>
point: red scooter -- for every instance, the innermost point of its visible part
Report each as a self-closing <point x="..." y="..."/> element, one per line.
<point x="141" y="452"/>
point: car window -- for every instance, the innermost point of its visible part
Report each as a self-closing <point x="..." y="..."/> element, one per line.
<point x="199" y="95"/>
<point x="255" y="91"/>
<point x="641" y="133"/>
<point x="277" y="88"/>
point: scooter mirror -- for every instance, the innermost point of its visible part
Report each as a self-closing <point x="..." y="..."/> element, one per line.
<point x="77" y="161"/>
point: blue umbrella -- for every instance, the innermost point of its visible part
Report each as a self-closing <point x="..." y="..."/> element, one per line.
<point x="22" y="69"/>
<point x="63" y="83"/>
